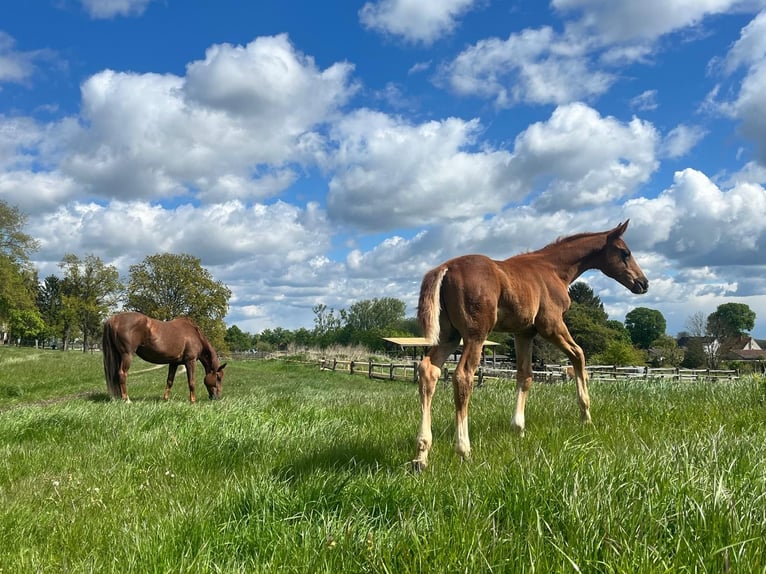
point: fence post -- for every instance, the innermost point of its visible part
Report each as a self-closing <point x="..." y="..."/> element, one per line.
<point x="391" y="372"/>
<point x="415" y="371"/>
<point x="351" y="366"/>
<point x="481" y="376"/>
<point x="334" y="364"/>
<point x="369" y="370"/>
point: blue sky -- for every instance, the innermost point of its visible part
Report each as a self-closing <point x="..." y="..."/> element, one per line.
<point x="311" y="155"/>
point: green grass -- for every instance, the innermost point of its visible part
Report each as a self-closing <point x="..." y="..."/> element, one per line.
<point x="298" y="470"/>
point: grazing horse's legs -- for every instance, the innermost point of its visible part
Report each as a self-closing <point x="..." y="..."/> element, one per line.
<point x="172" y="368"/>
<point x="523" y="344"/>
<point x="562" y="339"/>
<point x="122" y="372"/>
<point x="190" y="379"/>
<point x="429" y="371"/>
<point x="462" y="384"/>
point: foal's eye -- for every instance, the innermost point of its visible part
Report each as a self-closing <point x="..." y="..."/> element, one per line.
<point x="625" y="254"/>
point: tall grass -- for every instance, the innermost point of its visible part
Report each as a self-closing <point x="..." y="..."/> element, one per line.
<point x="298" y="470"/>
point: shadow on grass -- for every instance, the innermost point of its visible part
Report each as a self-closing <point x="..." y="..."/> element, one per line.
<point x="356" y="458"/>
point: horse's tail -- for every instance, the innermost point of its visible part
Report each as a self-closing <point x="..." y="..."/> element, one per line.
<point x="111" y="359"/>
<point x="429" y="304"/>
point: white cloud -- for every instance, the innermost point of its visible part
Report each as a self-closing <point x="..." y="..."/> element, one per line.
<point x="618" y="21"/>
<point x="750" y="48"/>
<point x="104" y="9"/>
<point x="646" y="100"/>
<point x="583" y="159"/>
<point x="533" y="66"/>
<point x="388" y="173"/>
<point x="16" y="66"/>
<point x="680" y="140"/>
<point x="749" y="51"/>
<point x="212" y="133"/>
<point x="702" y="224"/>
<point x="414" y="20"/>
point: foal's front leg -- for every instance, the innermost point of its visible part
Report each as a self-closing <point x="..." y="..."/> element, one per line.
<point x="172" y="368"/>
<point x="523" y="344"/>
<point x="563" y="339"/>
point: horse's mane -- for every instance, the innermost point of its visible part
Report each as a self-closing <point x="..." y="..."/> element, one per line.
<point x="562" y="240"/>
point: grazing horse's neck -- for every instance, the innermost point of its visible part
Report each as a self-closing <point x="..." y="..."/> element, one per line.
<point x="208" y="356"/>
<point x="576" y="254"/>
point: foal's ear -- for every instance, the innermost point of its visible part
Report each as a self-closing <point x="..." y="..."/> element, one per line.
<point x="221" y="367"/>
<point x="619" y="230"/>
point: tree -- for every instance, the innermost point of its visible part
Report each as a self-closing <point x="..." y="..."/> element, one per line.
<point x="90" y="292"/>
<point x="237" y="340"/>
<point x="14" y="243"/>
<point x="589" y="323"/>
<point x="17" y="297"/>
<point x="645" y="326"/>
<point x="165" y="286"/>
<point x="366" y="322"/>
<point x="695" y="356"/>
<point x="730" y="320"/>
<point x="695" y="324"/>
<point x="50" y="304"/>
<point x="620" y="353"/>
<point x="667" y="352"/>
<point x="582" y="294"/>
<point x="374" y="314"/>
<point x="18" y="280"/>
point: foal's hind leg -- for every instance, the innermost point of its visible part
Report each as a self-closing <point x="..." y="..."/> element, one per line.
<point x="429" y="371"/>
<point x="462" y="385"/>
<point x="172" y="368"/>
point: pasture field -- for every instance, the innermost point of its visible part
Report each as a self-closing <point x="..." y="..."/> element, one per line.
<point x="299" y="470"/>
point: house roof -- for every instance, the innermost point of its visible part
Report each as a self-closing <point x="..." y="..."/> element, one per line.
<point x="422" y="342"/>
<point x="748" y="354"/>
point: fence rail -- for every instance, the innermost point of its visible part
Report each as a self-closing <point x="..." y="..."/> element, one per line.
<point x="550" y="374"/>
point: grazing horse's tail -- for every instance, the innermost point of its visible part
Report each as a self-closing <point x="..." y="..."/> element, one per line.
<point x="429" y="304"/>
<point x="111" y="360"/>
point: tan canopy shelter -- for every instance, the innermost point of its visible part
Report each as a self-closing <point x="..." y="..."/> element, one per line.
<point x="416" y="343"/>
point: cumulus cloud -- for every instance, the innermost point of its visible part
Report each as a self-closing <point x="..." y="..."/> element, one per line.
<point x="533" y="66"/>
<point x="750" y="48"/>
<point x="414" y="20"/>
<point x="617" y="21"/>
<point x="220" y="234"/>
<point x="389" y="173"/>
<point x="242" y="108"/>
<point x="697" y="223"/>
<point x="747" y="106"/>
<point x="583" y="159"/>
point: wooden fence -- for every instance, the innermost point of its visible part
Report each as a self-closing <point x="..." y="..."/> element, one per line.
<point x="550" y="374"/>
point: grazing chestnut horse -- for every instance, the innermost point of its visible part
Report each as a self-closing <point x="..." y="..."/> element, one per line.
<point x="173" y="343"/>
<point x="525" y="295"/>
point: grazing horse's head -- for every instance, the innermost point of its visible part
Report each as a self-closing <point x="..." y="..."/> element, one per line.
<point x="214" y="381"/>
<point x="619" y="264"/>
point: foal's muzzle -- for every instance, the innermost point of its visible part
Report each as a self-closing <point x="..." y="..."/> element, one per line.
<point x="640" y="286"/>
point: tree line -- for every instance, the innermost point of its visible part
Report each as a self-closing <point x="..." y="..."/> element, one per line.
<point x="71" y="308"/>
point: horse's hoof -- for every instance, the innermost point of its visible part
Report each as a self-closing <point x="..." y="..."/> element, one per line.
<point x="417" y="466"/>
